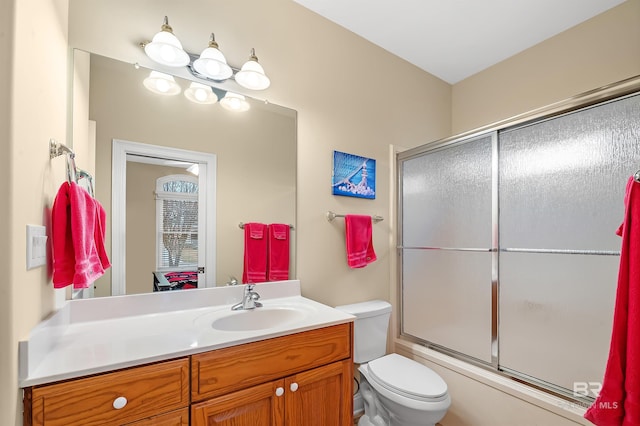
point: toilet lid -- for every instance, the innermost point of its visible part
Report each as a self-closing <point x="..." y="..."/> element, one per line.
<point x="408" y="377"/>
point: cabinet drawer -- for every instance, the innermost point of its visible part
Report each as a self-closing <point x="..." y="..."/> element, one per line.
<point x="174" y="418"/>
<point x="149" y="390"/>
<point x="225" y="370"/>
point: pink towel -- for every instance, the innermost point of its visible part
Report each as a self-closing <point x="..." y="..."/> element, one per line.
<point x="278" y="252"/>
<point x="618" y="403"/>
<point x="99" y="235"/>
<point x="359" y="239"/>
<point x="61" y="239"/>
<point x="78" y="230"/>
<point x="255" y="253"/>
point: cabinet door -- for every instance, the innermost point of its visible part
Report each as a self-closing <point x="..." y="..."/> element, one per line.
<point x="320" y="397"/>
<point x="261" y="405"/>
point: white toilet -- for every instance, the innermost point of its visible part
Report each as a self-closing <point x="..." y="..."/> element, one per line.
<point x="397" y="391"/>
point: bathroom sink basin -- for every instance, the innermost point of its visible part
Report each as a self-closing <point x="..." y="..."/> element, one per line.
<point x="254" y="319"/>
<point x="257" y="319"/>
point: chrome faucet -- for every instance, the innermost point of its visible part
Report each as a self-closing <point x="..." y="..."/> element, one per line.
<point x="249" y="299"/>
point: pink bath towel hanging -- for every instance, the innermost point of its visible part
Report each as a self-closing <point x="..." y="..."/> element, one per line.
<point x="78" y="231"/>
<point x="278" y="262"/>
<point x="359" y="240"/>
<point x="255" y="253"/>
<point x="618" y="403"/>
<point x="61" y="239"/>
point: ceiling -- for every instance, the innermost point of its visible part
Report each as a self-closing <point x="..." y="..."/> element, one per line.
<point x="454" y="39"/>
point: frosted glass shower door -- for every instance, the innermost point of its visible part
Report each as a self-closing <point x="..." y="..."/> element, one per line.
<point x="562" y="184"/>
<point x="446" y="247"/>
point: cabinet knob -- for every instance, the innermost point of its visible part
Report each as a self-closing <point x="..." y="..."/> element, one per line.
<point x="293" y="387"/>
<point x="119" y="402"/>
<point x="279" y="391"/>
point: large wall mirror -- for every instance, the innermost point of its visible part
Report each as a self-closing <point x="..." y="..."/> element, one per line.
<point x="255" y="165"/>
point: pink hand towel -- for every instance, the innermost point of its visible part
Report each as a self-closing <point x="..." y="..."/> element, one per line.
<point x="359" y="240"/>
<point x="85" y="222"/>
<point x="618" y="403"/>
<point x="255" y="253"/>
<point x="61" y="240"/>
<point x="99" y="235"/>
<point x="278" y="252"/>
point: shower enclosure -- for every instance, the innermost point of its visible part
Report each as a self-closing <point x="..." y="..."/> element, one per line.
<point x="507" y="243"/>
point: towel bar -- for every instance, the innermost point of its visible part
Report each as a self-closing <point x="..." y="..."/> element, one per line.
<point x="331" y="215"/>
<point x="241" y="226"/>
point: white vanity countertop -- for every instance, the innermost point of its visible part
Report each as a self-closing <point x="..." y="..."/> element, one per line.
<point x="97" y="335"/>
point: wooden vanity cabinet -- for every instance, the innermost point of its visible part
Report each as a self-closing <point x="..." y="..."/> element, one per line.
<point x="302" y="379"/>
<point x="295" y="380"/>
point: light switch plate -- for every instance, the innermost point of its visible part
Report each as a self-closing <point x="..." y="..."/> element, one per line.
<point x="36" y="246"/>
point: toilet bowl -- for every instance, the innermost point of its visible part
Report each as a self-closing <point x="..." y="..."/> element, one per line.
<point x="407" y="393"/>
<point x="396" y="390"/>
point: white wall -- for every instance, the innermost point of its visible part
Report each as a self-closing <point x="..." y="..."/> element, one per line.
<point x="595" y="53"/>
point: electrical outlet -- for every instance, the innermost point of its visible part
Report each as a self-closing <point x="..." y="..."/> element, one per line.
<point x="36" y="246"/>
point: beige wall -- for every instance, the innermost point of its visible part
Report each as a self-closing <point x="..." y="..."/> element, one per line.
<point x="38" y="106"/>
<point x="600" y="51"/>
<point x="8" y="358"/>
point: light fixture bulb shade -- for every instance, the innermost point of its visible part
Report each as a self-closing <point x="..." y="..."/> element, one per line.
<point x="252" y="76"/>
<point x="166" y="49"/>
<point x="200" y="94"/>
<point x="213" y="64"/>
<point x="234" y="102"/>
<point x="161" y="83"/>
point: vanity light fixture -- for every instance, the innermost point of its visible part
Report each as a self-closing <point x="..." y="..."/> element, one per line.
<point x="251" y="75"/>
<point x="166" y="49"/>
<point x="234" y="102"/>
<point x="161" y="83"/>
<point x="165" y="84"/>
<point x="212" y="63"/>
<point x="200" y="94"/>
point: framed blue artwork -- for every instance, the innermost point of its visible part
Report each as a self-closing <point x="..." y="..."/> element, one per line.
<point x="353" y="176"/>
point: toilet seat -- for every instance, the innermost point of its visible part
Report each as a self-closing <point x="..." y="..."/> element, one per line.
<point x="408" y="378"/>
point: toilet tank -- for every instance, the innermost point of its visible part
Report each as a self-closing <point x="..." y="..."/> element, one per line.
<point x="370" y="329"/>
